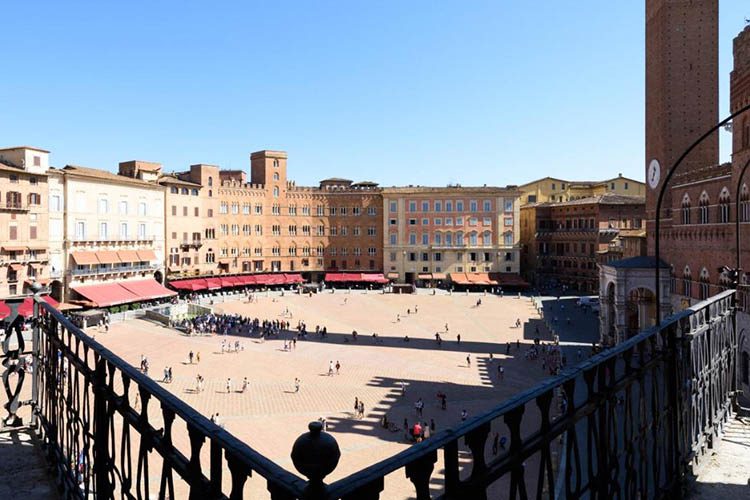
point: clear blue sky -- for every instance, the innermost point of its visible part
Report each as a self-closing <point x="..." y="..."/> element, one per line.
<point x="399" y="92"/>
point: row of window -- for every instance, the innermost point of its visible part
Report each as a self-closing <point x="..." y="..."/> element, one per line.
<point x="704" y="208"/>
<point x="454" y="239"/>
<point x="245" y="208"/>
<point x="449" y="221"/>
<point x="184" y="190"/>
<point x="14" y="199"/>
<point x="449" y="205"/>
<point x="438" y="256"/>
<point x="305" y="230"/>
<point x="103" y="205"/>
<point x="81" y="231"/>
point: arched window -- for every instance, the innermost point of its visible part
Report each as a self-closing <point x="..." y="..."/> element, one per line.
<point x="276" y="191"/>
<point x="686" y="209"/>
<point x="275" y="163"/>
<point x="210" y="181"/>
<point x="703" y="202"/>
<point x="703" y="291"/>
<point x="744" y="204"/>
<point x="724" y="200"/>
<point x="473" y="239"/>
<point x="460" y="239"/>
<point x="449" y="239"/>
<point x="486" y="239"/>
<point x="276" y="176"/>
<point x="687" y="282"/>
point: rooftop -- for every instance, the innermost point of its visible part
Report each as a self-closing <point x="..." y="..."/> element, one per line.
<point x="103" y="175"/>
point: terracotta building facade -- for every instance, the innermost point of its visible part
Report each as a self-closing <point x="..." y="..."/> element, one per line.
<point x="269" y="224"/>
<point x="561" y="242"/>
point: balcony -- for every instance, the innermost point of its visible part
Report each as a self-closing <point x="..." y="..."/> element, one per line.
<point x="12" y="206"/>
<point x="636" y="417"/>
<point x="97" y="271"/>
<point x="83" y="241"/>
<point x="191" y="244"/>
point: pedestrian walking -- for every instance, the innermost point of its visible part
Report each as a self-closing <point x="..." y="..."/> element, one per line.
<point x="507" y="348"/>
<point x="198" y="357"/>
<point x="356" y="405"/>
<point x="296" y="384"/>
<point x="468" y="360"/>
<point x="361" y="409"/>
<point x="229" y="385"/>
<point x="244" y="385"/>
<point x="501" y="372"/>
<point x="190" y="356"/>
<point x="330" y="368"/>
<point x="458" y="338"/>
<point x="338" y="366"/>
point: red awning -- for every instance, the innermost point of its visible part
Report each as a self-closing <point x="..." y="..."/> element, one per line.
<point x="4" y="310"/>
<point x="147" y="289"/>
<point x="85" y="258"/>
<point x="146" y="255"/>
<point x="26" y="309"/>
<point x="249" y="279"/>
<point x="192" y="285"/>
<point x="459" y="278"/>
<point x="227" y="281"/>
<point x="374" y="278"/>
<point x="274" y="279"/>
<point x="109" y="294"/>
<point x="213" y="283"/>
<point x="232" y="281"/>
<point x="293" y="278"/>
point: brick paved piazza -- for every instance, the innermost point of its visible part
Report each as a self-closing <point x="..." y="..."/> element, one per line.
<point x="269" y="415"/>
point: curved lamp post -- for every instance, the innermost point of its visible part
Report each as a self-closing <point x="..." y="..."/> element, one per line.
<point x="660" y="199"/>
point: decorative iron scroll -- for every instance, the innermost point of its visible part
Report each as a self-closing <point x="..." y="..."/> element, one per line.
<point x="626" y="423"/>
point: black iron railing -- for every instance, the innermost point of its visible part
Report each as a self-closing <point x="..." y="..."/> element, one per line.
<point x="626" y="423"/>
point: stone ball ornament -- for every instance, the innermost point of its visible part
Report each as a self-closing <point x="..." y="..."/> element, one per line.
<point x="315" y="454"/>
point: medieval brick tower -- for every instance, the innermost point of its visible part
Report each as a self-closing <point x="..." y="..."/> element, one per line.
<point x="682" y="92"/>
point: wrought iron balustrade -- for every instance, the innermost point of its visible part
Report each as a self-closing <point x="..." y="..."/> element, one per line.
<point x="626" y="423"/>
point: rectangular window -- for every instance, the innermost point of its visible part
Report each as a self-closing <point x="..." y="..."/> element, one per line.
<point x="425" y="239"/>
<point x="103" y="231"/>
<point x="412" y="239"/>
<point x="371" y="231"/>
<point x="142" y="231"/>
<point x="425" y="222"/>
<point x="487" y="221"/>
<point x="449" y="206"/>
<point x="487" y="205"/>
<point x="459" y="221"/>
<point x="437" y="257"/>
<point x="425" y="206"/>
<point x="392" y="238"/>
<point x="438" y="206"/>
<point x="123" y="207"/>
<point x="438" y="221"/>
<point x="80" y="230"/>
<point x="473" y="206"/>
<point x="508" y="221"/>
<point x="124" y="230"/>
<point x="142" y="209"/>
<point x="184" y="211"/>
<point x="55" y="203"/>
<point x="412" y="206"/>
<point x="508" y="205"/>
<point x="459" y="206"/>
<point x="508" y="238"/>
<point x="393" y="206"/>
<point x="393" y="222"/>
<point x="372" y="211"/>
<point x="32" y="232"/>
<point x="449" y="221"/>
<point x="412" y="222"/>
<point x="103" y="206"/>
<point x="13" y="234"/>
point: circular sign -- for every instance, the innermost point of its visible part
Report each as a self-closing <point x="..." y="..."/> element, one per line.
<point x="653" y="175"/>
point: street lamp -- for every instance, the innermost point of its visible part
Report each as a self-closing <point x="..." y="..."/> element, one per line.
<point x="660" y="199"/>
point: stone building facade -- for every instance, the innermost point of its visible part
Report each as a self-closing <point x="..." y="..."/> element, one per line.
<point x="559" y="190"/>
<point x="434" y="231"/>
<point x="24" y="245"/>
